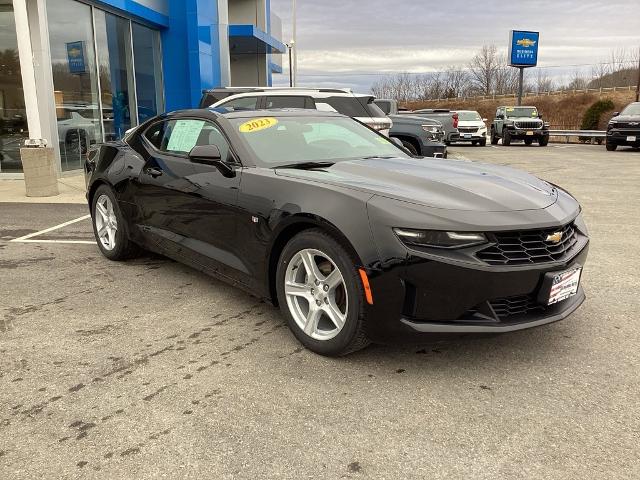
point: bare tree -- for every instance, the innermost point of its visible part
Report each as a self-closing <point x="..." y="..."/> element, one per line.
<point x="482" y="69"/>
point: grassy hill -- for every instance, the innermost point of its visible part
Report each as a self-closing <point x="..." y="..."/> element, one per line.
<point x="562" y="110"/>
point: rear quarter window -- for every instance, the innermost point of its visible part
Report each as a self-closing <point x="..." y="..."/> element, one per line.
<point x="349" y="106"/>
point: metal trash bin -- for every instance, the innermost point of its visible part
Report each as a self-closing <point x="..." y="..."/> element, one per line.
<point x="40" y="174"/>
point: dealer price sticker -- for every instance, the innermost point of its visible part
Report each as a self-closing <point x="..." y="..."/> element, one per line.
<point x="564" y="285"/>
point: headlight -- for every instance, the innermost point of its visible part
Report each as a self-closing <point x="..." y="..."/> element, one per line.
<point x="611" y="125"/>
<point x="580" y="225"/>
<point x="439" y="239"/>
<point x="430" y="128"/>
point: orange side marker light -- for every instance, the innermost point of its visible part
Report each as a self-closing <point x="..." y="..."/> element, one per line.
<point x="367" y="287"/>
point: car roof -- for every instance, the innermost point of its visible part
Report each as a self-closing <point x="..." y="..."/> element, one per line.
<point x="299" y="92"/>
<point x="230" y="114"/>
<point x="273" y="89"/>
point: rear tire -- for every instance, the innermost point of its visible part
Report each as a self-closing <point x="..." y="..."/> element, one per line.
<point x="528" y="142"/>
<point x="611" y="147"/>
<point x="506" y="138"/>
<point x="474" y="143"/>
<point x="301" y="293"/>
<point x="110" y="227"/>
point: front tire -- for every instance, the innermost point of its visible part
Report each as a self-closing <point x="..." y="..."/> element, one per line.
<point x="409" y="146"/>
<point x="494" y="137"/>
<point x="528" y="142"/>
<point x="483" y="142"/>
<point x="109" y="226"/>
<point x="506" y="138"/>
<point x="320" y="294"/>
<point x="543" y="141"/>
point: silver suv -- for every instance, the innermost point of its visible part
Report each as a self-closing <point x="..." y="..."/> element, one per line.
<point x="344" y="101"/>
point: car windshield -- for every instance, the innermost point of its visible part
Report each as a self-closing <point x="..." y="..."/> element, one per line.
<point x="633" y="109"/>
<point x="290" y="140"/>
<point x="469" y="116"/>
<point x="522" y="112"/>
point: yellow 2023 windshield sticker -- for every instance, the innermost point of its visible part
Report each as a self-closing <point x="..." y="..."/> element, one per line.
<point x="258" y="124"/>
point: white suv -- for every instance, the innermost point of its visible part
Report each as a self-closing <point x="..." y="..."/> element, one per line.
<point x="358" y="106"/>
<point x="472" y="127"/>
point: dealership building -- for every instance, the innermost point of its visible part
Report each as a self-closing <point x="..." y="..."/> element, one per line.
<point x="78" y="72"/>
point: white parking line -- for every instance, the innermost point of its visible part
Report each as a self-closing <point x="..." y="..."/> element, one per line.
<point x="29" y="238"/>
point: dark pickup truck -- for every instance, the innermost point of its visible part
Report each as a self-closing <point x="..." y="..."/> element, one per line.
<point x="624" y="128"/>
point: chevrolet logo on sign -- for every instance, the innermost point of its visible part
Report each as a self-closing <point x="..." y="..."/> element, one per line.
<point x="555" y="237"/>
<point x="526" y="42"/>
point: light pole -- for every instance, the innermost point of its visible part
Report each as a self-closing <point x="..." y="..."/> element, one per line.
<point x="290" y="48"/>
<point x="294" y="80"/>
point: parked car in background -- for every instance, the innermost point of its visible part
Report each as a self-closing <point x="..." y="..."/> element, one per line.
<point x="519" y="123"/>
<point x="447" y="118"/>
<point x="421" y="136"/>
<point x="344" y="101"/>
<point x="624" y="128"/>
<point x="472" y="127"/>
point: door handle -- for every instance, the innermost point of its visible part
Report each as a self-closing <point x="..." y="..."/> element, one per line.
<point x="154" y="172"/>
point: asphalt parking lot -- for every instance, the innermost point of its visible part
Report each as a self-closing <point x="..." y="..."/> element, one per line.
<point x="150" y="369"/>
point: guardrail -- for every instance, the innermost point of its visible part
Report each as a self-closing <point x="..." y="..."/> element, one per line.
<point x="596" y="135"/>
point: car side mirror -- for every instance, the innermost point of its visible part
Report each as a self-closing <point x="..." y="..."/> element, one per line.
<point x="210" y="155"/>
<point x="500" y="117"/>
<point x="615" y="114"/>
<point x="485" y="120"/>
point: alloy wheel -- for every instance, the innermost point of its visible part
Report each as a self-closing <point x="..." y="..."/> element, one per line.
<point x="106" y="222"/>
<point x="316" y="294"/>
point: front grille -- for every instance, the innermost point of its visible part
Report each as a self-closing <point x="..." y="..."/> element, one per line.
<point x="525" y="247"/>
<point x="518" y="305"/>
<point x="529" y="124"/>
<point x="467" y="129"/>
<point x="633" y="125"/>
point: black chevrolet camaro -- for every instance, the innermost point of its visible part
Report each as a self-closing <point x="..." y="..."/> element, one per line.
<point x="353" y="238"/>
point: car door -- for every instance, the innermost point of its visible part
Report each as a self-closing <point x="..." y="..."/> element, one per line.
<point x="499" y="121"/>
<point x="187" y="208"/>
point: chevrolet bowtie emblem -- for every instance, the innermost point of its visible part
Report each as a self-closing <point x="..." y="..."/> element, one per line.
<point x="555" y="237"/>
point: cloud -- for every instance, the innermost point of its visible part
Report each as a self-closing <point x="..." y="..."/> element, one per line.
<point x="357" y="41"/>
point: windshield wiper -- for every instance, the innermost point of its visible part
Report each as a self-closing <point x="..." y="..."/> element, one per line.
<point x="306" y="165"/>
<point x="378" y="156"/>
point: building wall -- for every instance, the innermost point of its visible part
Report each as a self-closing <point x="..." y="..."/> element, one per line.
<point x="248" y="70"/>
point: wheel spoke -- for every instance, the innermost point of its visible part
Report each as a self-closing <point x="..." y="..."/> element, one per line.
<point x="310" y="266"/>
<point x="334" y="314"/>
<point x="102" y="211"/>
<point x="334" y="279"/>
<point x="112" y="236"/>
<point x="102" y="231"/>
<point x="312" y="320"/>
<point x="296" y="289"/>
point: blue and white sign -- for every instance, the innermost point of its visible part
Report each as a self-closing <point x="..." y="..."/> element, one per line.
<point x="523" y="48"/>
<point x="75" y="58"/>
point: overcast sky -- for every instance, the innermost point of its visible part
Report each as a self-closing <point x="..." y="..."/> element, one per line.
<point x="352" y="42"/>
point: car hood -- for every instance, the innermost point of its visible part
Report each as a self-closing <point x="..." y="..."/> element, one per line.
<point x="446" y="184"/>
<point x="413" y="119"/>
<point x="627" y="118"/>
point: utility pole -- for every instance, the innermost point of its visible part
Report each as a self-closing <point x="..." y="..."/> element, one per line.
<point x="520" y="85"/>
<point x="638" y="82"/>
<point x="293" y="44"/>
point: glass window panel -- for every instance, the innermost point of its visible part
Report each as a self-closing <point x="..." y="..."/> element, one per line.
<point x="74" y="79"/>
<point x="113" y="40"/>
<point x="146" y="54"/>
<point x="13" y="117"/>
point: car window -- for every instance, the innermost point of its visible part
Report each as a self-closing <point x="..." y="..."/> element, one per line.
<point x="285" y="140"/>
<point x="181" y="135"/>
<point x="242" y="103"/>
<point x="291" y="101"/>
<point x="632" y="109"/>
<point x="349" y="106"/>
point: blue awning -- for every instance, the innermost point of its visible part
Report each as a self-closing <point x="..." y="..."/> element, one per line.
<point x="245" y="39"/>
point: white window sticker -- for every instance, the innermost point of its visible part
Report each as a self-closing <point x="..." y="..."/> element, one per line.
<point x="184" y="135"/>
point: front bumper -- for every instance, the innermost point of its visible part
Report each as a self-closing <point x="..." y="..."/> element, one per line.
<point x="472" y="137"/>
<point x="523" y="133"/>
<point x="426" y="296"/>
<point x="624" y="137"/>
<point x="432" y="149"/>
